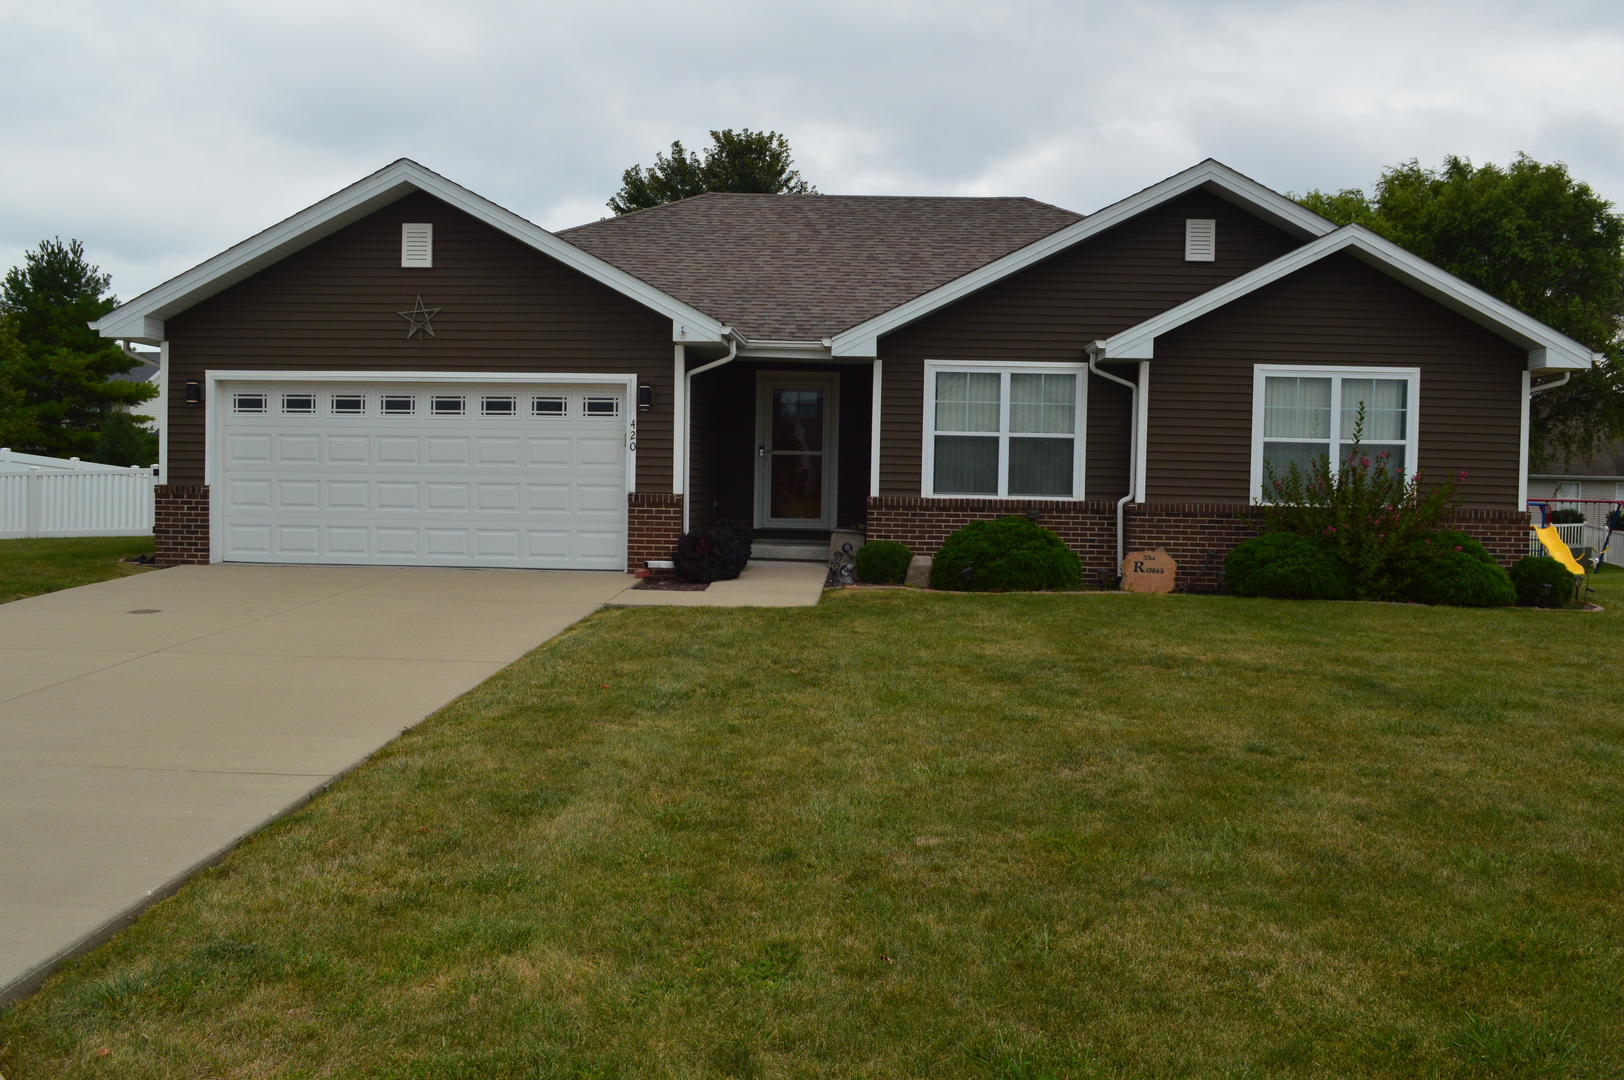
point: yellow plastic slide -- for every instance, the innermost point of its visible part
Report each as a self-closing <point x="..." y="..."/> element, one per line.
<point x="1557" y="549"/>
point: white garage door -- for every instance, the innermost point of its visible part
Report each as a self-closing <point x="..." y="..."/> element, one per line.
<point x="427" y="474"/>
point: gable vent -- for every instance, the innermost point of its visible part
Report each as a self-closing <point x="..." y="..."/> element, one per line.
<point x="417" y="244"/>
<point x="1200" y="240"/>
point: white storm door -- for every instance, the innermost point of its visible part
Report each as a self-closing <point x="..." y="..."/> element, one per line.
<point x="797" y="430"/>
<point x="422" y="473"/>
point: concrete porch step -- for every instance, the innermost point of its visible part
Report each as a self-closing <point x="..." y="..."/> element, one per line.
<point x="789" y="551"/>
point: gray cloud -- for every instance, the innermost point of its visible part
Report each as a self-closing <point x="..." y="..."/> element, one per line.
<point x="162" y="132"/>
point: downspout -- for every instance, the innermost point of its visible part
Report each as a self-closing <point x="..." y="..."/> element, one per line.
<point x="1529" y="390"/>
<point x="1094" y="351"/>
<point x="1542" y="387"/>
<point x="688" y="417"/>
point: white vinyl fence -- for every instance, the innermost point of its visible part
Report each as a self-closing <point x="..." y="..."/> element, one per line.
<point x="42" y="496"/>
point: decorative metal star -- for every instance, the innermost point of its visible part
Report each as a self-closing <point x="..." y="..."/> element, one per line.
<point x="419" y="318"/>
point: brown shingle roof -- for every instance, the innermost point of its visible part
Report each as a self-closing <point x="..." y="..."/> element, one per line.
<point x="805" y="267"/>
<point x="1607" y="461"/>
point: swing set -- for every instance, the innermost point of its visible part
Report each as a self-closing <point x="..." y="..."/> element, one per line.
<point x="1588" y="559"/>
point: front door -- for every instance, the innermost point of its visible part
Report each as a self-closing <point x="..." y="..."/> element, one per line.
<point x="795" y="450"/>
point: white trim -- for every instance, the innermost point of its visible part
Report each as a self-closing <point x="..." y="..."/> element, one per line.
<point x="829" y="382"/>
<point x="214" y="391"/>
<point x="1547" y="349"/>
<point x="141" y="319"/>
<point x="862" y="339"/>
<point x="1412" y="409"/>
<point x="876" y="396"/>
<point x="1522" y="443"/>
<point x="163" y="412"/>
<point x="927" y="477"/>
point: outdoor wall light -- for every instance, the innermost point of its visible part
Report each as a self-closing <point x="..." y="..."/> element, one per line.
<point x="194" y="394"/>
<point x="645" y="397"/>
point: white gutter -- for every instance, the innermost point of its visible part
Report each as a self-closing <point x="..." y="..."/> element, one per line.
<point x="1133" y="447"/>
<point x="687" y="414"/>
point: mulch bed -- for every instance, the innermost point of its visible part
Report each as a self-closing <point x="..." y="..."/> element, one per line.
<point x="667" y="584"/>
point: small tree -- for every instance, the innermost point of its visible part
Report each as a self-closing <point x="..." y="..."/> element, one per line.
<point x="56" y="386"/>
<point x="1364" y="509"/>
<point x="123" y="441"/>
<point x="749" y="162"/>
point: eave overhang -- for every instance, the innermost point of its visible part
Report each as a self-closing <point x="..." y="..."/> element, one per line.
<point x="1548" y="350"/>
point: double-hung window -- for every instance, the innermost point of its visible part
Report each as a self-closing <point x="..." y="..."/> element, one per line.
<point x="1304" y="414"/>
<point x="1012" y="431"/>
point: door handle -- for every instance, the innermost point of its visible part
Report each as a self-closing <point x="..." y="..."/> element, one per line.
<point x="761" y="451"/>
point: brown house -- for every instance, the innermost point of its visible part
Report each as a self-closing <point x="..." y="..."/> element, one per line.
<point x="406" y="373"/>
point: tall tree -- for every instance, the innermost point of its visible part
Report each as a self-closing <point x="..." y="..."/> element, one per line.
<point x="1536" y="238"/>
<point x="752" y="162"/>
<point x="55" y="384"/>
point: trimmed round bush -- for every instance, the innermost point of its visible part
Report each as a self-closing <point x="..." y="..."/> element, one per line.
<point x="883" y="562"/>
<point x="714" y="552"/>
<point x="1459" y="579"/>
<point x="1285" y="566"/>
<point x="1445" y="540"/>
<point x="1531" y="572"/>
<point x="1010" y="554"/>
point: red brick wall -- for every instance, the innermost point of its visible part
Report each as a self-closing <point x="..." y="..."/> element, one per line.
<point x="654" y="521"/>
<point x="180" y="526"/>
<point x="1196" y="535"/>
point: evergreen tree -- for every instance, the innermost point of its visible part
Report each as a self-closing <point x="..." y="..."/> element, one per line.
<point x="1532" y="236"/>
<point x="56" y="388"/>
<point x="751" y="162"/>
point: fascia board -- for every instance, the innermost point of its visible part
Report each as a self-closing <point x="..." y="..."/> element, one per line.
<point x="141" y="318"/>
<point x="862" y="339"/>
<point x="1547" y="348"/>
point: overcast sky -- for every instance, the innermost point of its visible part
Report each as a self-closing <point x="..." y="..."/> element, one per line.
<point x="163" y="131"/>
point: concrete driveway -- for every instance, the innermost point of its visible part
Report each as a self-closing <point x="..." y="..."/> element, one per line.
<point x="148" y="723"/>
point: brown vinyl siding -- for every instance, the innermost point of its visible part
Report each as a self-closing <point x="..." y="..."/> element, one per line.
<point x="1050" y="312"/>
<point x="1339" y="312"/>
<point x="504" y="307"/>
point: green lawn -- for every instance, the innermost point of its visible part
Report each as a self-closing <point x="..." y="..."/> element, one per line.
<point x="912" y="835"/>
<point x="31" y="567"/>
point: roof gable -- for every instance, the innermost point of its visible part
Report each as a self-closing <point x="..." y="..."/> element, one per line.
<point x="1548" y="350"/>
<point x="862" y="339"/>
<point x="142" y="319"/>
<point x="804" y="267"/>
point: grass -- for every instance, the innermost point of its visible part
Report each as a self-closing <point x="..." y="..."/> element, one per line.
<point x="31" y="567"/>
<point x="907" y="835"/>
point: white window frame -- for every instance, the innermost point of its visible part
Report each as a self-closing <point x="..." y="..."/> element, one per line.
<point x="1079" y="435"/>
<point x="1412" y="414"/>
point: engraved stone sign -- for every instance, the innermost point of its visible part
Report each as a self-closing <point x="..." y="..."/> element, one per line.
<point x="1149" y="571"/>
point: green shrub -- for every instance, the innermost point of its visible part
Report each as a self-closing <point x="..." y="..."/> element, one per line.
<point x="1008" y="554"/>
<point x="883" y="562"/>
<point x="1461" y="579"/>
<point x="1364" y="508"/>
<point x="1568" y="515"/>
<point x="1286" y="566"/>
<point x="1531" y="572"/>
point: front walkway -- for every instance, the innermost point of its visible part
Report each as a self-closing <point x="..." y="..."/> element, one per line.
<point x="148" y="723"/>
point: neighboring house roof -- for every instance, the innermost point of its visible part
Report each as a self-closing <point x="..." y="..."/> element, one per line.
<point x="805" y="267"/>
<point x="1547" y="349"/>
<point x="142" y="318"/>
<point x="1605" y="464"/>
<point x="145" y="369"/>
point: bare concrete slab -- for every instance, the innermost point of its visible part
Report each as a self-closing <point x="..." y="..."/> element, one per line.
<point x="763" y="584"/>
<point x="148" y="723"/>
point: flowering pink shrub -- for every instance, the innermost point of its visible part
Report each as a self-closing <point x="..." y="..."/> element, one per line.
<point x="1365" y="510"/>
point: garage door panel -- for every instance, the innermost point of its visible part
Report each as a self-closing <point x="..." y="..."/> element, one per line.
<point x="507" y="486"/>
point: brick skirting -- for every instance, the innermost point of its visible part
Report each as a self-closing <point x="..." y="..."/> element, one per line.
<point x="653" y="523"/>
<point x="180" y="523"/>
<point x="1196" y="535"/>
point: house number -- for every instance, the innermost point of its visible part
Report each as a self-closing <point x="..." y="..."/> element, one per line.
<point x="631" y="434"/>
